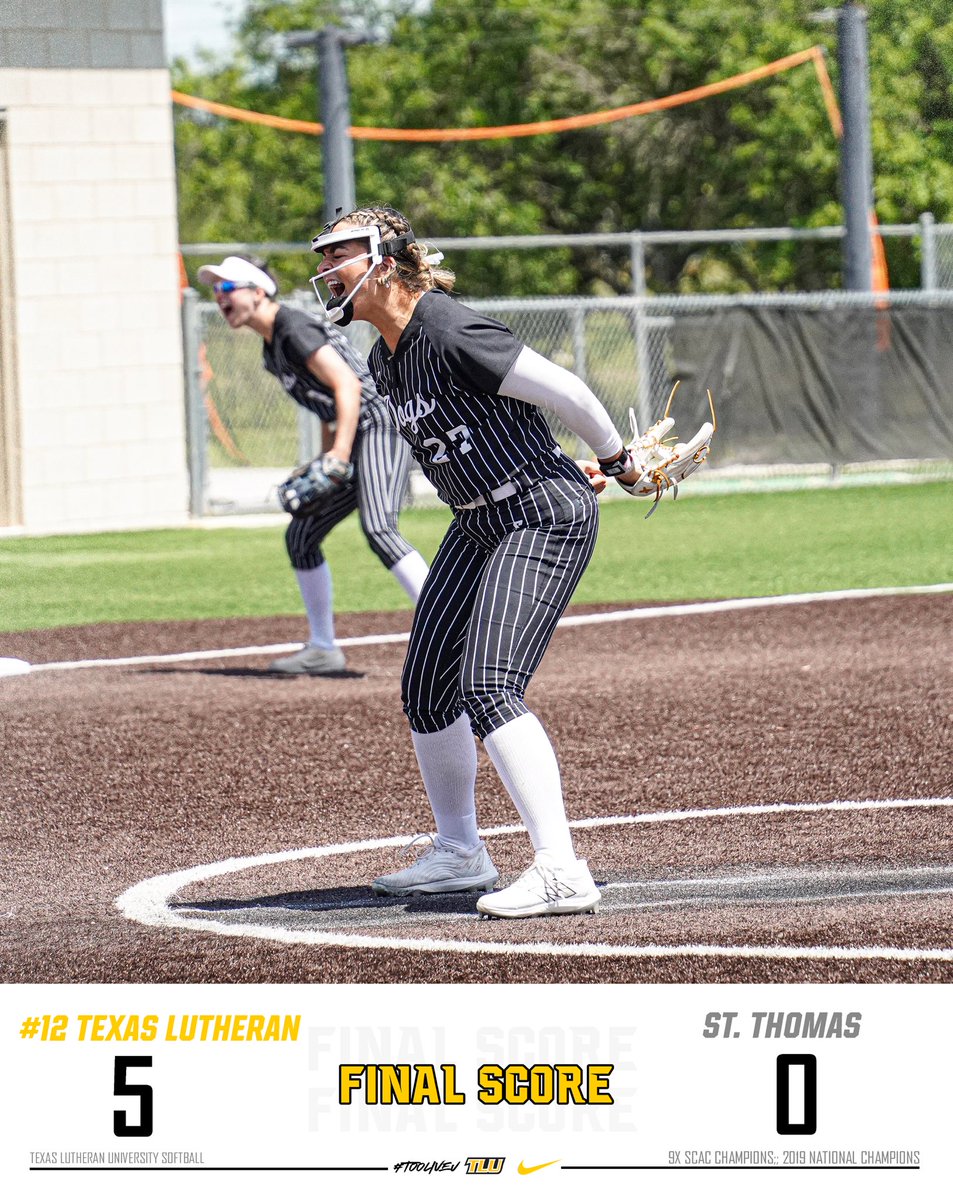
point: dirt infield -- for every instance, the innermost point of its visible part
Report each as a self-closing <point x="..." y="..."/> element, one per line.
<point x="665" y="728"/>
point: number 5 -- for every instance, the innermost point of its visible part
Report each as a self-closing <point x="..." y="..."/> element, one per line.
<point x="121" y="1127"/>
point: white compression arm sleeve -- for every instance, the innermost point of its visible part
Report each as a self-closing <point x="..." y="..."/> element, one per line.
<point x="538" y="381"/>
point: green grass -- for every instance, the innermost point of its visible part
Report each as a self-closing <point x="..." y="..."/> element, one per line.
<point x="697" y="547"/>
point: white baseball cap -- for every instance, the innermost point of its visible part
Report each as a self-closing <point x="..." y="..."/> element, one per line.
<point x="237" y="270"/>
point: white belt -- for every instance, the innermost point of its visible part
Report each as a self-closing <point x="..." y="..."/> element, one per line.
<point x="503" y="492"/>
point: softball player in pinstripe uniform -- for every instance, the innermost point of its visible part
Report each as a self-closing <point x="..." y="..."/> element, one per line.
<point x="469" y="399"/>
<point x="319" y="369"/>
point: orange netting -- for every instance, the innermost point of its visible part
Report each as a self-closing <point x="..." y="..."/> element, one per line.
<point x="532" y="129"/>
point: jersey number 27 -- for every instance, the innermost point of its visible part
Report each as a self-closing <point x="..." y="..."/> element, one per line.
<point x="458" y="439"/>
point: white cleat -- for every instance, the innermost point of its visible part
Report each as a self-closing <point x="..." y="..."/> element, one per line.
<point x="438" y="870"/>
<point x="310" y="660"/>
<point x="544" y="891"/>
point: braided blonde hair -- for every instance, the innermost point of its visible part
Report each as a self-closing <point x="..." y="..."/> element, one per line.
<point x="416" y="269"/>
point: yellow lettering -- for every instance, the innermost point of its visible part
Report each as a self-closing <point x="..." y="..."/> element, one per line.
<point x="450" y="1093"/>
<point x="544" y="1083"/>
<point x="570" y="1085"/>
<point x="490" y="1079"/>
<point x="599" y="1084"/>
<point x="350" y="1077"/>
<point x="394" y="1083"/>
<point x="426" y="1088"/>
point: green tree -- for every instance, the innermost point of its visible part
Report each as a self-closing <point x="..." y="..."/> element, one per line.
<point x="763" y="155"/>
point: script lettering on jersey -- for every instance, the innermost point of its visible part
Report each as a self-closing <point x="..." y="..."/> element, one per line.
<point x="414" y="411"/>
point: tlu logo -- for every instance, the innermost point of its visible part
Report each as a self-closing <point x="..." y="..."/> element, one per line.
<point x="485" y="1166"/>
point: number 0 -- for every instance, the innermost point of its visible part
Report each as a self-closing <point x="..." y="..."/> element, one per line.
<point x="121" y="1126"/>
<point x="804" y="1117"/>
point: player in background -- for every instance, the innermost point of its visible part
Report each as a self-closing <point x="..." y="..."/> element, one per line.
<point x="320" y="370"/>
<point x="469" y="397"/>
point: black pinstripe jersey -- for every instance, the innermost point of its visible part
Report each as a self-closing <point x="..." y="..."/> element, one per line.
<point x="296" y="336"/>
<point x="441" y="385"/>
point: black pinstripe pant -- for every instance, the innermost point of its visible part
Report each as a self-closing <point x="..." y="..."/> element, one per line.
<point x="501" y="580"/>
<point x="381" y="461"/>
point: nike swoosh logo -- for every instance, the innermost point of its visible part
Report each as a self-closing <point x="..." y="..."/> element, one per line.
<point x="524" y="1170"/>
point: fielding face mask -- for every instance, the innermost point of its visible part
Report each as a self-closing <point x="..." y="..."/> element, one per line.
<point x="341" y="309"/>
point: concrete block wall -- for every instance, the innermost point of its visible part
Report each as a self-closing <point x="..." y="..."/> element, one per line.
<point x="93" y="243"/>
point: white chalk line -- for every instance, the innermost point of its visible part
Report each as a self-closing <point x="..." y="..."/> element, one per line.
<point x="631" y="614"/>
<point x="147" y="903"/>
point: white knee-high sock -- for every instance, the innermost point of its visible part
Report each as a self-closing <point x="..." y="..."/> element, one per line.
<point x="410" y="572"/>
<point x="526" y="763"/>
<point x="448" y="764"/>
<point x="317" y="593"/>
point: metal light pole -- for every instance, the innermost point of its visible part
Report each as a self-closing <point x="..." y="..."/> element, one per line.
<point x="856" y="165"/>
<point x="334" y="112"/>
<point x="337" y="158"/>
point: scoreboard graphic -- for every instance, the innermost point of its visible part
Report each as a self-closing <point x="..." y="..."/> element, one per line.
<point x="628" y="1089"/>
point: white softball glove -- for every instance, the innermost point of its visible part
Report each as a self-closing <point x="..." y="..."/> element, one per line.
<point x="665" y="462"/>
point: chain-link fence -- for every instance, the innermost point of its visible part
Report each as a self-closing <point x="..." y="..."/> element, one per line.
<point x="941" y="257"/>
<point x="808" y="388"/>
<point x="244" y="433"/>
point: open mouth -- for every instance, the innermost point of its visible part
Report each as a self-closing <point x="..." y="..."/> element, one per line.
<point x="227" y="307"/>
<point x="336" y="288"/>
